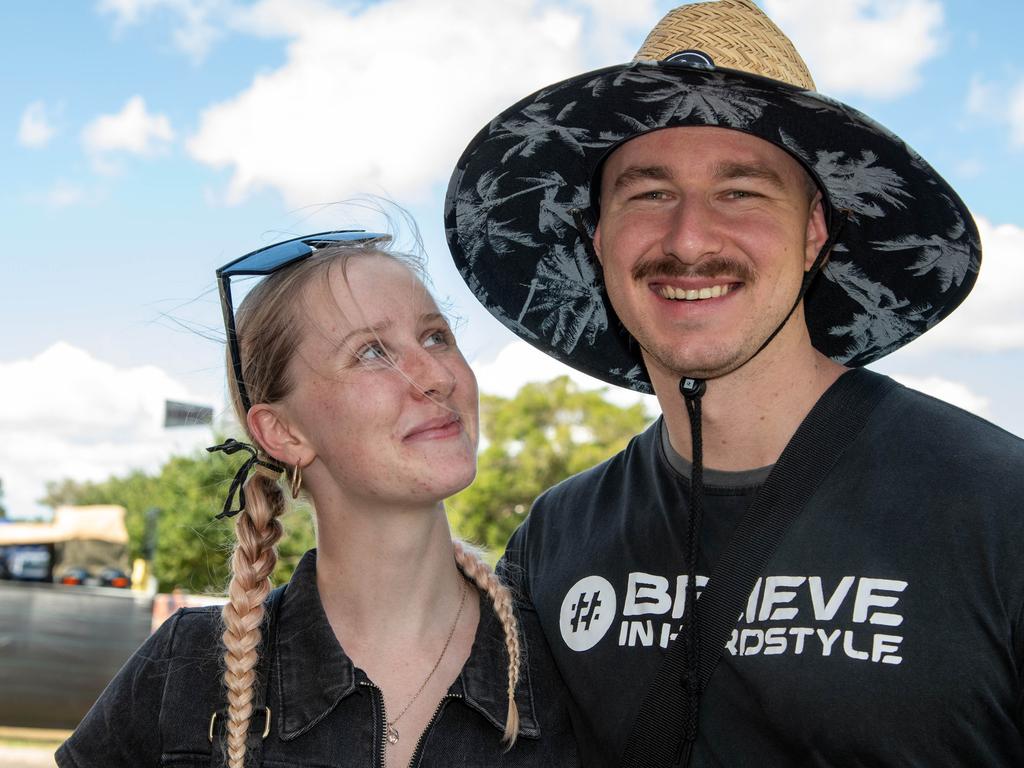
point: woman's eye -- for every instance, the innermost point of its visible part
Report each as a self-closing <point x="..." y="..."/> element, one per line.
<point x="437" y="338"/>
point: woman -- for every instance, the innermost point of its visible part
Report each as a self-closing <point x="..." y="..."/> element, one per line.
<point x="392" y="645"/>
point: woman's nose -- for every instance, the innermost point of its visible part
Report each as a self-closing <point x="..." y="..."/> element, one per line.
<point x="429" y="376"/>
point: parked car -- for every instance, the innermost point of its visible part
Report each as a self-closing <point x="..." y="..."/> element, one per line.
<point x="74" y="577"/>
<point x="27" y="564"/>
<point x="83" y="577"/>
<point x="114" y="577"/>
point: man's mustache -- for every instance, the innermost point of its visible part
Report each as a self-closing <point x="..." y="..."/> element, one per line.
<point x="713" y="266"/>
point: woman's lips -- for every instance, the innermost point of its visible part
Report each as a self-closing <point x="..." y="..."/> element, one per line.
<point x="436" y="429"/>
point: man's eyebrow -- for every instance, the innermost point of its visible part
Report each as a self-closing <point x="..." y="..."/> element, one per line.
<point x="739" y="170"/>
<point x="635" y="173"/>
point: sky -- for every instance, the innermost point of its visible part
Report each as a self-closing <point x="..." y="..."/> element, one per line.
<point x="146" y="142"/>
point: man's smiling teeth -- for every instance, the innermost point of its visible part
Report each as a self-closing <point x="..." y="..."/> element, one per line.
<point x="693" y="294"/>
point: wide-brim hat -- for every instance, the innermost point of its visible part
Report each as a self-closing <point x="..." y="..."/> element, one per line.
<point x="907" y="255"/>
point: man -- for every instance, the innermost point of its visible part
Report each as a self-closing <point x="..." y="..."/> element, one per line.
<point x="701" y="224"/>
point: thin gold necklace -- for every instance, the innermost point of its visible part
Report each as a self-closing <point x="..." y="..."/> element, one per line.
<point x="392" y="731"/>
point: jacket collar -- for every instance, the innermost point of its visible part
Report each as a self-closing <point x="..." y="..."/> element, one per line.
<point x="313" y="673"/>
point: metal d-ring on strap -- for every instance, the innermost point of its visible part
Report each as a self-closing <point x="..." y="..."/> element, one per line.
<point x="266" y="724"/>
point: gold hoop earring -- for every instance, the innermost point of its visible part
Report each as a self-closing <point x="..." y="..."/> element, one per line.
<point x="296" y="480"/>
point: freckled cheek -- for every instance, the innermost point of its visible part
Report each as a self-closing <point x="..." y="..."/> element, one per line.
<point x="348" y="425"/>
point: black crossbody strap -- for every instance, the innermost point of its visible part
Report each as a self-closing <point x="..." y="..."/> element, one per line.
<point x="656" y="740"/>
<point x="262" y="716"/>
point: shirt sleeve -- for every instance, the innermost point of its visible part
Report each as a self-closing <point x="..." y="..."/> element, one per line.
<point x="122" y="729"/>
<point x="513" y="570"/>
<point x="1019" y="653"/>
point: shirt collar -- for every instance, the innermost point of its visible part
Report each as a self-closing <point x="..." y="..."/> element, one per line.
<point x="313" y="673"/>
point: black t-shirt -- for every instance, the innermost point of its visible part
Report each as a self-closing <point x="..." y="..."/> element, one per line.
<point x="887" y="629"/>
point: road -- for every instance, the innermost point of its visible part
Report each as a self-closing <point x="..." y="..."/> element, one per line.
<point x="27" y="756"/>
<point x="29" y="747"/>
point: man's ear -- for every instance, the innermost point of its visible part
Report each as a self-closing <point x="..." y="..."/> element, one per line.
<point x="817" y="232"/>
<point x="277" y="435"/>
<point x="597" y="244"/>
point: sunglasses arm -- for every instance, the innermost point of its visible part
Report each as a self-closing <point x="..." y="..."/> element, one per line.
<point x="224" y="285"/>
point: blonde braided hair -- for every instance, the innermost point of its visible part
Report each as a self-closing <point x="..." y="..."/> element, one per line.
<point x="486" y="580"/>
<point x="257" y="530"/>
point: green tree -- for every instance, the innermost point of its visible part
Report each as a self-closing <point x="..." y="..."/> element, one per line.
<point x="3" y="509"/>
<point x="545" y="433"/>
<point x="192" y="548"/>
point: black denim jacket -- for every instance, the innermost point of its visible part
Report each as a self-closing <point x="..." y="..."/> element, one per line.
<point x="325" y="712"/>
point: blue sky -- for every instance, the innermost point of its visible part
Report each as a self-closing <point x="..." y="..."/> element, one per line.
<point x="146" y="142"/>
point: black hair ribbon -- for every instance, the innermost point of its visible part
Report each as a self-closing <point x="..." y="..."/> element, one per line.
<point x="254" y="462"/>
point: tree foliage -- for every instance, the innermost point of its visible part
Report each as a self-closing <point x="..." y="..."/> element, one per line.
<point x="192" y="548"/>
<point x="3" y="509"/>
<point x="544" y="434"/>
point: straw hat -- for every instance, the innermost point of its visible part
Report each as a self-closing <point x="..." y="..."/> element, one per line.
<point x="908" y="254"/>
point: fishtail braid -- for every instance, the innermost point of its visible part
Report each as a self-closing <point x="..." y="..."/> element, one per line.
<point x="486" y="580"/>
<point x="257" y="531"/>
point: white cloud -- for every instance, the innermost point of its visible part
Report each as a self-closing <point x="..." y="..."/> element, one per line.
<point x="64" y="414"/>
<point x="867" y="47"/>
<point x="982" y="98"/>
<point x="35" y="129"/>
<point x="133" y="130"/>
<point x="127" y="12"/>
<point x="196" y="26"/>
<point x="969" y="168"/>
<point x="615" y="27"/>
<point x="991" y="319"/>
<point x="518" y="363"/>
<point x="381" y="99"/>
<point x="64" y="193"/>
<point x="951" y="391"/>
<point x="1001" y="103"/>
<point x="1016" y="115"/>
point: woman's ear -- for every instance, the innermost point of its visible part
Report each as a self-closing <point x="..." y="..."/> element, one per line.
<point x="277" y="435"/>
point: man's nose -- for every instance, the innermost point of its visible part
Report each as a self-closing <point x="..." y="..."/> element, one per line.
<point x="693" y="231"/>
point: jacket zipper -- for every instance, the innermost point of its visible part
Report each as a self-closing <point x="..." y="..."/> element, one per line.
<point x="383" y="712"/>
<point x="415" y="761"/>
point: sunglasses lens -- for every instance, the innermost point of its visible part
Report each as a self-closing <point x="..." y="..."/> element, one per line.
<point x="272" y="258"/>
<point x="269" y="259"/>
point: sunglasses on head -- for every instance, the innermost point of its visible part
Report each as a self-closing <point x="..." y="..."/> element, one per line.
<point x="267" y="261"/>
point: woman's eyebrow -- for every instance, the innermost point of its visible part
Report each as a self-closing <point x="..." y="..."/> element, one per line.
<point x="375" y="330"/>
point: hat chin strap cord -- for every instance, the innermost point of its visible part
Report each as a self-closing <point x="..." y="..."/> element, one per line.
<point x="692" y="390"/>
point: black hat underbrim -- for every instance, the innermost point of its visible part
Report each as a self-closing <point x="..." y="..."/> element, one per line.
<point x="908" y="255"/>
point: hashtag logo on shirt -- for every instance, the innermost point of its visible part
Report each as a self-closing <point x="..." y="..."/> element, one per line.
<point x="588" y="611"/>
<point x="585" y="611"/>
